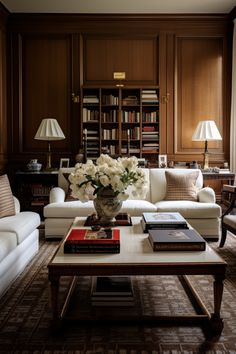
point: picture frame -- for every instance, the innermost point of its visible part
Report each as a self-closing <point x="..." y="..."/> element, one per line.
<point x="162" y="161"/>
<point x="64" y="162"/>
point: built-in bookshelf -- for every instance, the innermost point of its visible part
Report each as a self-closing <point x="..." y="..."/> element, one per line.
<point x="121" y="121"/>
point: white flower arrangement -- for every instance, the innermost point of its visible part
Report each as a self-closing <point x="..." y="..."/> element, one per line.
<point x="90" y="179"/>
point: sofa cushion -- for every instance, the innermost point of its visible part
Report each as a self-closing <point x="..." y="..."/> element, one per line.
<point x="230" y="220"/>
<point x="7" y="205"/>
<point x="137" y="207"/>
<point x="8" y="243"/>
<point x="68" y="209"/>
<point x="22" y="224"/>
<point x="158" y="181"/>
<point x="181" y="187"/>
<point x="190" y="209"/>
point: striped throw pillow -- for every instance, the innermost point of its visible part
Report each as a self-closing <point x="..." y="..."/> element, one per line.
<point x="7" y="206"/>
<point x="181" y="186"/>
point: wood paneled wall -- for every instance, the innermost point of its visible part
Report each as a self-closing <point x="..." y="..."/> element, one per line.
<point x="51" y="56"/>
<point x="3" y="91"/>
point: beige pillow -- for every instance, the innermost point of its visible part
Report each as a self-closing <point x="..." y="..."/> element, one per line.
<point x="7" y="206"/>
<point x="181" y="186"/>
<point x="68" y="197"/>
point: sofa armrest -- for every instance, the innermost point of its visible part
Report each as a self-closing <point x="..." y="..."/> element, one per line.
<point x="57" y="195"/>
<point x="207" y="195"/>
<point x="17" y="204"/>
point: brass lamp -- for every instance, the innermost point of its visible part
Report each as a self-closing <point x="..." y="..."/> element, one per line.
<point x="206" y="130"/>
<point x="49" y="130"/>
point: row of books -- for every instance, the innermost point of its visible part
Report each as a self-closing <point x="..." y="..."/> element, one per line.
<point x="108" y="134"/>
<point x="110" y="100"/>
<point x="110" y="117"/>
<point x="90" y="115"/>
<point x="130" y="117"/>
<point x="133" y="133"/>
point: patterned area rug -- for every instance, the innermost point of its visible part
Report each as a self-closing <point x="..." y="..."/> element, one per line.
<point x="25" y="316"/>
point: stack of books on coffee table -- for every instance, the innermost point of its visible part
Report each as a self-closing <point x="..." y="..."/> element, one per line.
<point x="112" y="291"/>
<point x="163" y="220"/>
<point x="105" y="240"/>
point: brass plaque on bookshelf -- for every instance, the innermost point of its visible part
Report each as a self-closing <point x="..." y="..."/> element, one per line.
<point x="119" y="75"/>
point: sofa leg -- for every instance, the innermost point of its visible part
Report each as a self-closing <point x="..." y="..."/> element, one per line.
<point x="223" y="237"/>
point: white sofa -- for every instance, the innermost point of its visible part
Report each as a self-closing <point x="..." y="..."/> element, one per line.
<point x="203" y="215"/>
<point x="19" y="242"/>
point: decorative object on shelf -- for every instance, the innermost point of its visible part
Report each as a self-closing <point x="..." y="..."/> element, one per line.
<point x="162" y="161"/>
<point x="49" y="130"/>
<point x="34" y="166"/>
<point x="64" y="162"/>
<point x="108" y="179"/>
<point x="206" y="130"/>
<point x="79" y="158"/>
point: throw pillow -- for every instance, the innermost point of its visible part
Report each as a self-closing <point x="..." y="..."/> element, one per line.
<point x="7" y="205"/>
<point x="181" y="186"/>
<point x="68" y="197"/>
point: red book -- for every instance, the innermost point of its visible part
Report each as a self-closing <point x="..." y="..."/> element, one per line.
<point x="88" y="236"/>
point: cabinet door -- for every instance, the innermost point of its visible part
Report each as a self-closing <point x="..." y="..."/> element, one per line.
<point x="45" y="86"/>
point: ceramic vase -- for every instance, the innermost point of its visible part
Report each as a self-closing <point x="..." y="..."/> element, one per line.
<point x="107" y="206"/>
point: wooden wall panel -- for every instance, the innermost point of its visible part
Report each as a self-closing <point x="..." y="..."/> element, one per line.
<point x="3" y="94"/>
<point x="46" y="88"/>
<point x="199" y="85"/>
<point x="137" y="57"/>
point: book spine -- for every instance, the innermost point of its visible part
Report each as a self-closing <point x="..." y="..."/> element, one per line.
<point x="91" y="249"/>
<point x="179" y="247"/>
<point x="92" y="242"/>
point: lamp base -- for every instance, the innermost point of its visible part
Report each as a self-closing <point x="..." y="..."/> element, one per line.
<point x="206" y="161"/>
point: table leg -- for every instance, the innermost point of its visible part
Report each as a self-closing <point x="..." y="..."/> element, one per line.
<point x="54" y="292"/>
<point x="216" y="321"/>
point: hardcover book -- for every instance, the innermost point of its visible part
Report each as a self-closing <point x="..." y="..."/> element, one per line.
<point x="176" y="240"/>
<point x="112" y="286"/>
<point x="112" y="291"/>
<point x="91" y="241"/>
<point x="88" y="236"/>
<point x="163" y="218"/>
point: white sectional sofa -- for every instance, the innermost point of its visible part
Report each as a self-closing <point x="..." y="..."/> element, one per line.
<point x="19" y="242"/>
<point x="203" y="214"/>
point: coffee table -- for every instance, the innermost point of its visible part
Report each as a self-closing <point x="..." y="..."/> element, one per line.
<point x="136" y="257"/>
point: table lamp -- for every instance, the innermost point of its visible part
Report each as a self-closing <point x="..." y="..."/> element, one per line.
<point x="49" y="130"/>
<point x="206" y="130"/>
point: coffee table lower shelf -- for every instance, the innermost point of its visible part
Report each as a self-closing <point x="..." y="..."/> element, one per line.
<point x="211" y="324"/>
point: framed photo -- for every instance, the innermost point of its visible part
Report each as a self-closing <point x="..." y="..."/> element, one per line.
<point x="162" y="161"/>
<point x="64" y="163"/>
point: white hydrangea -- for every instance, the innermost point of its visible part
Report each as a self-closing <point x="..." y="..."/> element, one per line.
<point x="107" y="173"/>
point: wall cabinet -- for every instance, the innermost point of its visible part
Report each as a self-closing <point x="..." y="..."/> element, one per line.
<point x="121" y="121"/>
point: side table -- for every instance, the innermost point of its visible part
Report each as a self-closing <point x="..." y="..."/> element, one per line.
<point x="216" y="181"/>
<point x="33" y="188"/>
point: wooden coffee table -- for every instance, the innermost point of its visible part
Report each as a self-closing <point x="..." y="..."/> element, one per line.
<point x="137" y="258"/>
